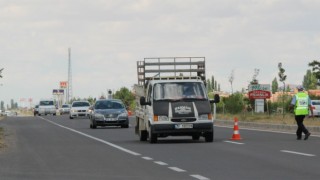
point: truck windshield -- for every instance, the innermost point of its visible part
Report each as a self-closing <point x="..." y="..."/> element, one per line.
<point x="179" y="90"/>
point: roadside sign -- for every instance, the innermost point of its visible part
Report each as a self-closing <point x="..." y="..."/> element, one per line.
<point x="259" y="94"/>
<point x="63" y="84"/>
<point x="263" y="87"/>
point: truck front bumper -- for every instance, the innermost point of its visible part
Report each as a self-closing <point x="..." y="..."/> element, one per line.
<point x="171" y="129"/>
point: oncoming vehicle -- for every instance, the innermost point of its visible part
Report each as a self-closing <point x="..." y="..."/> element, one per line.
<point x="79" y="109"/>
<point x="315" y="104"/>
<point x="47" y="107"/>
<point x="109" y="112"/>
<point x="173" y="104"/>
<point x="36" y="110"/>
<point x="65" y="109"/>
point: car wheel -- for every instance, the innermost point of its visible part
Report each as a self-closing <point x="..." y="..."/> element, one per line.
<point x="125" y="126"/>
<point x="94" y="124"/>
<point x="208" y="136"/>
<point x="54" y="114"/>
<point x="196" y="137"/>
<point x="70" y="117"/>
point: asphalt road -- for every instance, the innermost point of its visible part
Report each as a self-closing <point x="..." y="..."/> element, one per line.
<point x="55" y="147"/>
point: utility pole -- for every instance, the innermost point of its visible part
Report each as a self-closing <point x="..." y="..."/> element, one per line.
<point x="69" y="88"/>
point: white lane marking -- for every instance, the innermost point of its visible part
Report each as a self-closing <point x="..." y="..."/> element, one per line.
<point x="234" y="142"/>
<point x="199" y="177"/>
<point x="161" y="163"/>
<point x="177" y="169"/>
<point x="147" y="158"/>
<point x="261" y="130"/>
<point x="298" y="153"/>
<point x="94" y="138"/>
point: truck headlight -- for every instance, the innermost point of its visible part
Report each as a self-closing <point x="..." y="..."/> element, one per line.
<point x="205" y="117"/>
<point x="160" y="118"/>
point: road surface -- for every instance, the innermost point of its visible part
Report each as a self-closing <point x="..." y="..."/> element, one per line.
<point x="55" y="147"/>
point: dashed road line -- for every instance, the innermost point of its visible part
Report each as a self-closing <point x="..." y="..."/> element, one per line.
<point x="298" y="153"/>
<point x="147" y="158"/>
<point x="234" y="142"/>
<point x="177" y="169"/>
<point x="161" y="163"/>
<point x="199" y="177"/>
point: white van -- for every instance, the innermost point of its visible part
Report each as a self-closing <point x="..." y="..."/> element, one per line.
<point x="47" y="107"/>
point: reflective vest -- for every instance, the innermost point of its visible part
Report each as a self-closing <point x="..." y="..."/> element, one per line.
<point x="302" y="104"/>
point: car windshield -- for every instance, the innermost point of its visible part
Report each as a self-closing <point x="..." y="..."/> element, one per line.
<point x="108" y="105"/>
<point x="65" y="106"/>
<point x="46" y="103"/>
<point x="80" y="104"/>
<point x="179" y="90"/>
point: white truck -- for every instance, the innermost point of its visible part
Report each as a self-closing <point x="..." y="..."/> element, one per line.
<point x="46" y="106"/>
<point x="172" y="99"/>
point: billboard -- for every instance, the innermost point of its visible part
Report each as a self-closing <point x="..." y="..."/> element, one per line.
<point x="58" y="91"/>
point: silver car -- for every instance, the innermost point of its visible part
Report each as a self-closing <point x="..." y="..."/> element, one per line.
<point x="79" y="109"/>
<point x="109" y="112"/>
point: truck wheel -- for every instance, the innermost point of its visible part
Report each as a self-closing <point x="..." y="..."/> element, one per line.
<point x="153" y="138"/>
<point x="143" y="135"/>
<point x="208" y="136"/>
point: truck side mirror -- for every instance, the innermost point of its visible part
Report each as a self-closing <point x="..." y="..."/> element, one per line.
<point x="216" y="99"/>
<point x="143" y="101"/>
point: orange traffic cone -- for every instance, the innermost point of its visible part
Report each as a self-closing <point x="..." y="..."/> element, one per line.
<point x="236" y="134"/>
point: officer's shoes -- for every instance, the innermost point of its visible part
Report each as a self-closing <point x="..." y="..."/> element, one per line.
<point x="307" y="136"/>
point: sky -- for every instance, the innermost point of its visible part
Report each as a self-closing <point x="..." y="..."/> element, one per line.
<point x="107" y="37"/>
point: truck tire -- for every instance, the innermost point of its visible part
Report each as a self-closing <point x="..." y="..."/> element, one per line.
<point x="143" y="135"/>
<point x="153" y="138"/>
<point x="208" y="136"/>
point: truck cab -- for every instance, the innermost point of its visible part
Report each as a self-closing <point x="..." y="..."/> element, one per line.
<point x="174" y="106"/>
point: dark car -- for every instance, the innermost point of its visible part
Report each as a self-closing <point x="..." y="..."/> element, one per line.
<point x="109" y="112"/>
<point x="36" y="110"/>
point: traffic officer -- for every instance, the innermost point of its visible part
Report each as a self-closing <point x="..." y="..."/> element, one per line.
<point x="302" y="104"/>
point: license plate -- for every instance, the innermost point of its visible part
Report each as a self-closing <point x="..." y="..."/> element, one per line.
<point x="184" y="126"/>
<point x="111" y="119"/>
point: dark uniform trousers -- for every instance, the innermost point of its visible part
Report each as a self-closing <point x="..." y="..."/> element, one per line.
<point x="301" y="127"/>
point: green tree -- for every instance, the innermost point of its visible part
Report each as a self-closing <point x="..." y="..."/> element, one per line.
<point x="126" y="96"/>
<point x="209" y="87"/>
<point x="309" y="80"/>
<point x="234" y="104"/>
<point x="213" y="87"/>
<point x="275" y="85"/>
<point x="282" y="78"/>
<point x="315" y="68"/>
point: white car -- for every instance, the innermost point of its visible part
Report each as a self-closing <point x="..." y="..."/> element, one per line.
<point x="47" y="107"/>
<point x="65" y="109"/>
<point x="315" y="104"/>
<point x="79" y="109"/>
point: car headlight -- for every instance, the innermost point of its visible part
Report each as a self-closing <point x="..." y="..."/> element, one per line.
<point x="205" y="117"/>
<point x="123" y="114"/>
<point x="98" y="116"/>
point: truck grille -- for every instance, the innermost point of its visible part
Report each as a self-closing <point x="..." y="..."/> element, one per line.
<point x="184" y="120"/>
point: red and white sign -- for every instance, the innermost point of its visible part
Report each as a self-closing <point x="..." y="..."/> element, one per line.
<point x="63" y="84"/>
<point x="259" y="94"/>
